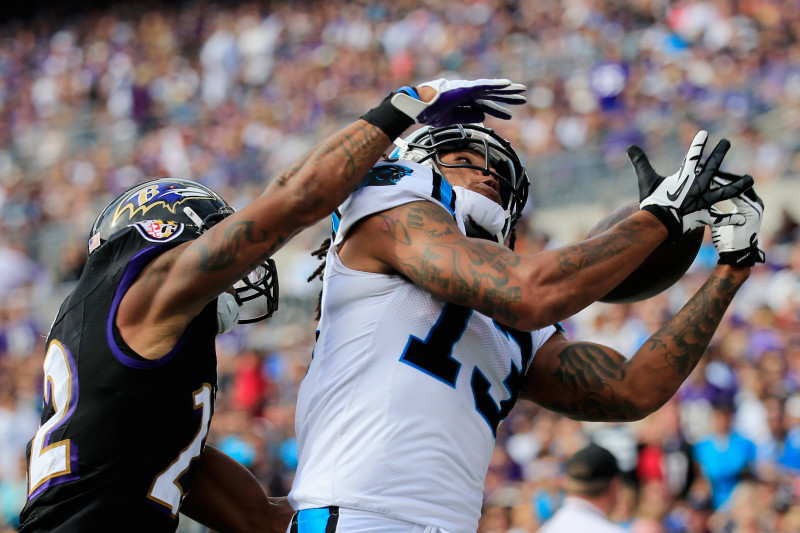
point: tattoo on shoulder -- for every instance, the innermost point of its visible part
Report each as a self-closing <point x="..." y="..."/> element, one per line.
<point x="432" y="251"/>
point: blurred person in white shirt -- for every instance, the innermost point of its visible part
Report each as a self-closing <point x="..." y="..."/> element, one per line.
<point x="592" y="488"/>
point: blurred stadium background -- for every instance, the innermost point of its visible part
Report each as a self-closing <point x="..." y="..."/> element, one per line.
<point x="97" y="96"/>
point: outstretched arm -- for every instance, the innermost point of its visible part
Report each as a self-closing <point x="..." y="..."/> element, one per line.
<point x="225" y="496"/>
<point x="178" y="284"/>
<point x="593" y="382"/>
<point x="303" y="194"/>
<point x="588" y="381"/>
<point x="421" y="241"/>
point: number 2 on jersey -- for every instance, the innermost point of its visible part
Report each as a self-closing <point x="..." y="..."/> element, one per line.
<point x="52" y="463"/>
<point x="434" y="357"/>
<point x="166" y="488"/>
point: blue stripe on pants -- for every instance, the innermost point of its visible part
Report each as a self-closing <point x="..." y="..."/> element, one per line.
<point x="313" y="520"/>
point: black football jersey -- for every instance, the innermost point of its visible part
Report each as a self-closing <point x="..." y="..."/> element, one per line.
<point x="119" y="434"/>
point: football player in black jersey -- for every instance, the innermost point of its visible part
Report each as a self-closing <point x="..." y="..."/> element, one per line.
<point x="130" y="366"/>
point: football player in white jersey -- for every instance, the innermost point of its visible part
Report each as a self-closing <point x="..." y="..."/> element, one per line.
<point x="431" y="328"/>
<point x="130" y="370"/>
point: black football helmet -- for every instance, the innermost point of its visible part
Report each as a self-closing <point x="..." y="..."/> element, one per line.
<point x="426" y="146"/>
<point x="186" y="206"/>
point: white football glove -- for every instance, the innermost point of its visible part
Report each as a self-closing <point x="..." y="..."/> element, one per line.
<point x="738" y="244"/>
<point x="460" y="101"/>
<point x="683" y="201"/>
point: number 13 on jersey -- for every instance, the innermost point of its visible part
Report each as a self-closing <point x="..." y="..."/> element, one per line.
<point x="434" y="356"/>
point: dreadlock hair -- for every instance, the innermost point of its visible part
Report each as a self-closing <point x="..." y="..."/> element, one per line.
<point x="512" y="238"/>
<point x="321" y="253"/>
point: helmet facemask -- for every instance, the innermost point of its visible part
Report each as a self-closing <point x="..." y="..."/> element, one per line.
<point x="257" y="293"/>
<point x="426" y="146"/>
<point x="261" y="282"/>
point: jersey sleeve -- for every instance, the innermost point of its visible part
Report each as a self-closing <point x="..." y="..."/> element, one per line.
<point x="540" y="336"/>
<point x="391" y="184"/>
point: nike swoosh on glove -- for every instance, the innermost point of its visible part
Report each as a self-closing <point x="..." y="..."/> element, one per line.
<point x="683" y="201"/>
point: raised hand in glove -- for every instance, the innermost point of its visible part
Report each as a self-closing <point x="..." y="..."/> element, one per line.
<point x="683" y="201"/>
<point x="738" y="244"/>
<point x="460" y="101"/>
<point x="452" y="102"/>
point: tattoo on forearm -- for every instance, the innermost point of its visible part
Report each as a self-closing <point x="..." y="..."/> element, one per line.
<point x="292" y="171"/>
<point x="685" y="337"/>
<point x="599" y="249"/>
<point x="350" y="152"/>
<point x="222" y="251"/>
<point x="591" y="376"/>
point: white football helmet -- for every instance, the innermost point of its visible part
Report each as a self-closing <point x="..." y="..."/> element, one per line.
<point x="426" y="146"/>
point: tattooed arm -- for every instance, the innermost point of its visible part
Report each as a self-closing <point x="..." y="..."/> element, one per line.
<point x="178" y="284"/>
<point x="421" y="241"/>
<point x="588" y="381"/>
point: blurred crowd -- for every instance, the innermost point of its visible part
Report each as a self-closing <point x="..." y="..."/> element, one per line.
<point x="229" y="94"/>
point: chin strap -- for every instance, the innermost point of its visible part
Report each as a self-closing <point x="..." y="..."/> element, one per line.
<point x="227" y="313"/>
<point x="482" y="216"/>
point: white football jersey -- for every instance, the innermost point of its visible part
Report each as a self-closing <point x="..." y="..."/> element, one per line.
<point x="399" y="409"/>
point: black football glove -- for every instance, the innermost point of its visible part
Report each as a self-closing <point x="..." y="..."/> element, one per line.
<point x="683" y="201"/>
